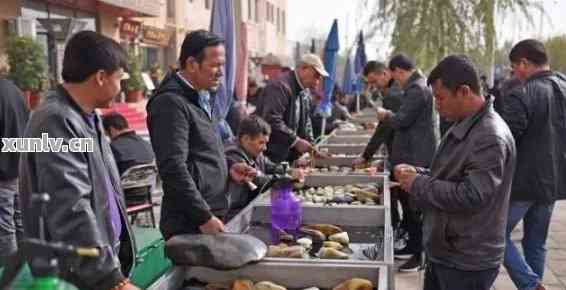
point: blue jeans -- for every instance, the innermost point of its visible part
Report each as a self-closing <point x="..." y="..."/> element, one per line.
<point x="527" y="272"/>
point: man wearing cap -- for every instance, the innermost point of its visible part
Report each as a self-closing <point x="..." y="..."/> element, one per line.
<point x="285" y="106"/>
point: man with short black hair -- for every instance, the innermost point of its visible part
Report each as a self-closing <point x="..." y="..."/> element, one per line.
<point x="415" y="140"/>
<point x="285" y="106"/>
<point x="87" y="203"/>
<point x="128" y="148"/>
<point x="14" y="115"/>
<point x="188" y="150"/>
<point x="370" y="95"/>
<point x="389" y="91"/>
<point x="464" y="195"/>
<point x="252" y="142"/>
<point x="535" y="113"/>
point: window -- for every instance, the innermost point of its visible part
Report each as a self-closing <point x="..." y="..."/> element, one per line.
<point x="267" y="11"/>
<point x="256" y="10"/>
<point x="278" y="20"/>
<point x="250" y="10"/>
<point x="170" y="8"/>
<point x="283" y="21"/>
<point x="207" y="4"/>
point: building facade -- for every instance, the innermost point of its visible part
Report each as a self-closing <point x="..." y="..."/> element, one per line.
<point x="154" y="28"/>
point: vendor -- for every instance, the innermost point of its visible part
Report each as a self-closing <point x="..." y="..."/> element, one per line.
<point x="252" y="142"/>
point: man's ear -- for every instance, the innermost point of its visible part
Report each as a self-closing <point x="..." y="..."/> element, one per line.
<point x="99" y="77"/>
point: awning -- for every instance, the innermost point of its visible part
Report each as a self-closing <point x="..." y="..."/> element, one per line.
<point x="143" y="7"/>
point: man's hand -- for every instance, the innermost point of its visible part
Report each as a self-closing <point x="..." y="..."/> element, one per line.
<point x="129" y="286"/>
<point x="303" y="146"/>
<point x="303" y="162"/>
<point x="360" y="162"/>
<point x="383" y="114"/>
<point x="212" y="226"/>
<point x="298" y="174"/>
<point x="322" y="154"/>
<point x="406" y="175"/>
<point x="241" y="172"/>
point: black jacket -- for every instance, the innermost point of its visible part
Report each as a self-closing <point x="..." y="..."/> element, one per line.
<point x="78" y="211"/>
<point x="14" y="115"/>
<point x="384" y="133"/>
<point x="536" y="114"/>
<point x="241" y="194"/>
<point x="415" y="125"/>
<point x="190" y="158"/>
<point x="129" y="150"/>
<point x="282" y="106"/>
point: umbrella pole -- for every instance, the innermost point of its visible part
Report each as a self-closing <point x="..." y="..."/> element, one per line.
<point x="357" y="102"/>
<point x="323" y="127"/>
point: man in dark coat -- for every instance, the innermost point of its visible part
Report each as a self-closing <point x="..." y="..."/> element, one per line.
<point x="129" y="148"/>
<point x="188" y="149"/>
<point x="536" y="114"/>
<point x="14" y="115"/>
<point x="415" y="140"/>
<point x="285" y="106"/>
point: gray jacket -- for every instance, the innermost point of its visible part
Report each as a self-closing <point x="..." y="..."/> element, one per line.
<point x="465" y="194"/>
<point x="536" y="114"/>
<point x="415" y="125"/>
<point x="78" y="213"/>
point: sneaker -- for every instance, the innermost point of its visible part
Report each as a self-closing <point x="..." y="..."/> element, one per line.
<point x="414" y="264"/>
<point x="404" y="254"/>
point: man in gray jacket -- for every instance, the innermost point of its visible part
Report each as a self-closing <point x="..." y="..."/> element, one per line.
<point x="465" y="194"/>
<point x="536" y="115"/>
<point x="87" y="206"/>
<point x="416" y="136"/>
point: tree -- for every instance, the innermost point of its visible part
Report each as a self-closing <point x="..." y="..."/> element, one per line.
<point x="432" y="29"/>
<point x="28" y="68"/>
<point x="556" y="49"/>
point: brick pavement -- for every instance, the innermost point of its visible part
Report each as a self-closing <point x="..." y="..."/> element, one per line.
<point x="555" y="274"/>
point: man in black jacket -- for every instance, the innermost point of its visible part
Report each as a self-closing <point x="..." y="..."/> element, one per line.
<point x="285" y="106"/>
<point x="87" y="204"/>
<point x="379" y="76"/>
<point x="536" y="114"/>
<point x="415" y="140"/>
<point x="128" y="148"/>
<point x="14" y="115"/>
<point x="188" y="150"/>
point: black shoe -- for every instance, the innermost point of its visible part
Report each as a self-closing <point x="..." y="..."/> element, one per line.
<point x="414" y="264"/>
<point x="404" y="254"/>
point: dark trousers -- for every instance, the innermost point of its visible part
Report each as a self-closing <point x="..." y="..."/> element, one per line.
<point x="439" y="277"/>
<point x="412" y="222"/>
<point x="11" y="230"/>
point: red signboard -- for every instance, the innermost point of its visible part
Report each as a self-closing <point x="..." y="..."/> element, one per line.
<point x="129" y="29"/>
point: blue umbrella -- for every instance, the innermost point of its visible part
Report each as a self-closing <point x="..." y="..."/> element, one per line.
<point x="360" y="60"/>
<point x="349" y="79"/>
<point x="222" y="24"/>
<point x="330" y="51"/>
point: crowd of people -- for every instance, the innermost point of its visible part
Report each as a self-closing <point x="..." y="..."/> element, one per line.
<point x="469" y="172"/>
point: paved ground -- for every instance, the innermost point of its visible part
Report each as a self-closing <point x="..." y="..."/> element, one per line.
<point x="555" y="274"/>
